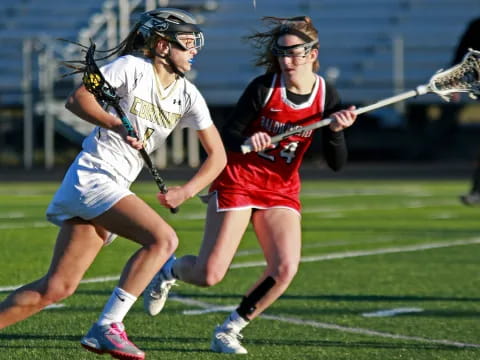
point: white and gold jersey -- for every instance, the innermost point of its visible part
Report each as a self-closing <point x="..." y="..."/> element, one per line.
<point x="152" y="110"/>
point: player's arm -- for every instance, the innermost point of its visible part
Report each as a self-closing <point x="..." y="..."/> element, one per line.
<point x="213" y="164"/>
<point x="208" y="171"/>
<point x="83" y="104"/>
<point x="244" y="113"/>
<point x="334" y="145"/>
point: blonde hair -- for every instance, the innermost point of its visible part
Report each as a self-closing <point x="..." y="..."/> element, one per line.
<point x="135" y="43"/>
<point x="264" y="41"/>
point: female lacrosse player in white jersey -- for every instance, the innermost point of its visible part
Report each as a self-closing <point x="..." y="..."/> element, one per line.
<point x="94" y="201"/>
<point x="263" y="187"/>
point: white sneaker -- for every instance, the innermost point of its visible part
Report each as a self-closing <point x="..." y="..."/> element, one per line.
<point x="471" y="199"/>
<point x="156" y="293"/>
<point x="111" y="339"/>
<point x="227" y="341"/>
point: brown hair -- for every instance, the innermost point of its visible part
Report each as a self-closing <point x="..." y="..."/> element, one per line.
<point x="264" y="41"/>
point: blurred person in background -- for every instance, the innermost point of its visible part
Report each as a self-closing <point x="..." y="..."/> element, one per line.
<point x="263" y="187"/>
<point x="470" y="39"/>
<point x="94" y="203"/>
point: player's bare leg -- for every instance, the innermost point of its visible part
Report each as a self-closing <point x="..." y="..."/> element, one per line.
<point x="132" y="218"/>
<point x="279" y="234"/>
<point x="223" y="232"/>
<point x="78" y="243"/>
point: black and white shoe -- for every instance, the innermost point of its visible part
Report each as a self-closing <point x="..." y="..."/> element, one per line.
<point x="471" y="199"/>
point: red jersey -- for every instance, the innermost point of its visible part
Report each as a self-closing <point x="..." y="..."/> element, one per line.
<point x="270" y="178"/>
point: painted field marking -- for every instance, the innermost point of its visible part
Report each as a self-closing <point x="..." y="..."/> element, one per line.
<point x="316" y="324"/>
<point x="12" y="215"/>
<point x="392" y="312"/>
<point x="36" y="224"/>
<point x="321" y="325"/>
<point x="54" y="306"/>
<point x="361" y="331"/>
<point x="213" y="309"/>
<point x="360" y="253"/>
<point x="324" y="257"/>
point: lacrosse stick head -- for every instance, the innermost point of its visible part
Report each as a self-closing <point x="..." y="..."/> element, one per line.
<point x="94" y="81"/>
<point x="461" y="78"/>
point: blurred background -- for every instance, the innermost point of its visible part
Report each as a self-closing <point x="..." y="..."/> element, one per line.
<point x="370" y="49"/>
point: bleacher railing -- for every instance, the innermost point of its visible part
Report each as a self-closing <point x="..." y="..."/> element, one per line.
<point x="106" y="29"/>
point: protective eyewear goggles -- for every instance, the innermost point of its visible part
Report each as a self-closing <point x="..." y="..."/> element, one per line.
<point x="186" y="36"/>
<point x="189" y="41"/>
<point x="299" y="50"/>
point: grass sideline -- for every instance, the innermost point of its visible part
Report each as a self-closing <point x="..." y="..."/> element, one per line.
<point x="389" y="271"/>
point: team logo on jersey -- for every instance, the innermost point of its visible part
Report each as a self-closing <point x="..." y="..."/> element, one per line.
<point x="277" y="127"/>
<point x="154" y="114"/>
<point x="272" y="126"/>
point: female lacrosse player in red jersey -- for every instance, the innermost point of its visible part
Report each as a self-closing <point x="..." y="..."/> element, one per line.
<point x="263" y="187"/>
<point x="94" y="201"/>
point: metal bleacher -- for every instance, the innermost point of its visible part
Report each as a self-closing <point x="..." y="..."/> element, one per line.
<point x="24" y="19"/>
<point x="357" y="40"/>
<point x="363" y="43"/>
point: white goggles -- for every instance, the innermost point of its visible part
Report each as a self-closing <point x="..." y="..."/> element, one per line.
<point x="189" y="41"/>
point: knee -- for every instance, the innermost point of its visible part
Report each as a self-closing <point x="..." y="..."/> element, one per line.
<point x="170" y="242"/>
<point x="57" y="290"/>
<point x="165" y="242"/>
<point x="211" y="276"/>
<point x="285" y="272"/>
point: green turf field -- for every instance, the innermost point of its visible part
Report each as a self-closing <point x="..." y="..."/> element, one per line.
<point x="390" y="271"/>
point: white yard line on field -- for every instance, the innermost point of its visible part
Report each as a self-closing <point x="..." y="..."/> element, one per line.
<point x="55" y="306"/>
<point x="392" y="312"/>
<point x="296" y="321"/>
<point x="321" y="244"/>
<point x="324" y="257"/>
<point x="12" y="215"/>
<point x="368" y="332"/>
<point x="359" y="253"/>
<point x="35" y="224"/>
<point x="330" y="193"/>
<point x="321" y="325"/>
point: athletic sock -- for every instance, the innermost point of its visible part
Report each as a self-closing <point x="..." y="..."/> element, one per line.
<point x="116" y="307"/>
<point x="170" y="274"/>
<point x="235" y="322"/>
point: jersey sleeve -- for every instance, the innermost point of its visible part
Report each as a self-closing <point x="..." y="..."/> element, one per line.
<point x="125" y="72"/>
<point x="115" y="73"/>
<point x="197" y="114"/>
<point x="334" y="146"/>
<point x="245" y="112"/>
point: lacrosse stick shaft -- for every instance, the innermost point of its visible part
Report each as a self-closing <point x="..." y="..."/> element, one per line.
<point x="148" y="161"/>
<point x="463" y="77"/>
<point x="246" y="148"/>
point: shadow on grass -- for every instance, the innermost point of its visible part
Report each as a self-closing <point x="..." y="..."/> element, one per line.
<point x="355" y="344"/>
<point x="169" y="343"/>
<point x="339" y="297"/>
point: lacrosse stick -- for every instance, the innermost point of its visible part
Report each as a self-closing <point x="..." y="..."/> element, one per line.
<point x="463" y="77"/>
<point x="96" y="84"/>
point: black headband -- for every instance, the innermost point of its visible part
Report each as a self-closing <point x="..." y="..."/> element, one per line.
<point x="286" y="29"/>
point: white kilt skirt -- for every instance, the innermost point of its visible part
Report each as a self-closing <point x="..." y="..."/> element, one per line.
<point x="88" y="189"/>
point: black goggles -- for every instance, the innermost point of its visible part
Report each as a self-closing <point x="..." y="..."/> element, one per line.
<point x="299" y="50"/>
